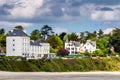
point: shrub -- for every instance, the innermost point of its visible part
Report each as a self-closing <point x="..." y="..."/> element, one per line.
<point x="63" y="52"/>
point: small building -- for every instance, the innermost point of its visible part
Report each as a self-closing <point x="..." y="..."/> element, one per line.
<point x="72" y="46"/>
<point x="18" y="43"/>
<point x="89" y="46"/>
<point x="75" y="47"/>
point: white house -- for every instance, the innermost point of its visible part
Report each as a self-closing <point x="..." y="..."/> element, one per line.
<point x="75" y="47"/>
<point x="89" y="46"/>
<point x="19" y="44"/>
<point x="72" y="46"/>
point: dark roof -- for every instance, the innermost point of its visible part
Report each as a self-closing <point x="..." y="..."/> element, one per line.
<point x="18" y="32"/>
<point x="76" y="44"/>
<point x="93" y="43"/>
<point x="37" y="42"/>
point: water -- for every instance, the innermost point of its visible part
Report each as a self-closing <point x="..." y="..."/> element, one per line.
<point x="64" y="78"/>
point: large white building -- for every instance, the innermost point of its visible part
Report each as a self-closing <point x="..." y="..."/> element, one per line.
<point x="75" y="47"/>
<point x="19" y="44"/>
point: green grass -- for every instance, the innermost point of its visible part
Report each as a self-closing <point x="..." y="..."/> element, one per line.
<point x="60" y="65"/>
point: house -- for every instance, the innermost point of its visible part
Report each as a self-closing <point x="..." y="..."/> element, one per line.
<point x="75" y="47"/>
<point x="18" y="43"/>
<point x="72" y="46"/>
<point x="89" y="46"/>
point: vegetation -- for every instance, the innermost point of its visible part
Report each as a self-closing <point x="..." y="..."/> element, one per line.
<point x="60" y="65"/>
<point x="107" y="44"/>
<point x="19" y="27"/>
<point x="55" y="42"/>
<point x="46" y="31"/>
<point x="63" y="52"/>
<point x="115" y="40"/>
<point x="35" y="34"/>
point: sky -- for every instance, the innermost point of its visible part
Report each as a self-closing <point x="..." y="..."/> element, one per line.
<point x="62" y="15"/>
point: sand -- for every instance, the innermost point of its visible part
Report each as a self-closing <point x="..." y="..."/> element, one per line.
<point x="59" y="74"/>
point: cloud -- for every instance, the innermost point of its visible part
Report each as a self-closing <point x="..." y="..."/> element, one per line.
<point x="12" y="25"/>
<point x="106" y="15"/>
<point x="105" y="9"/>
<point x="57" y="11"/>
<point x="108" y="30"/>
<point x="59" y="30"/>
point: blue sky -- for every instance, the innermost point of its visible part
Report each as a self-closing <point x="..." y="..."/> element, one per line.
<point x="62" y="15"/>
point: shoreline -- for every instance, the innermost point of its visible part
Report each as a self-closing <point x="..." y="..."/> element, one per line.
<point x="58" y="74"/>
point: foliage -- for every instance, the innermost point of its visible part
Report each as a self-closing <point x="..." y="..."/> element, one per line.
<point x="46" y="31"/>
<point x="82" y="37"/>
<point x="63" y="52"/>
<point x="2" y="31"/>
<point x="100" y="34"/>
<point x="60" y="65"/>
<point x="19" y="27"/>
<point x="98" y="53"/>
<point x="55" y="42"/>
<point x="115" y="40"/>
<point x="35" y="34"/>
<point x="73" y="37"/>
<point x="3" y="40"/>
<point x="53" y="50"/>
<point x="62" y="35"/>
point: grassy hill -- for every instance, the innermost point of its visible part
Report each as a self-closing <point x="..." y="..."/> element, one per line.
<point x="60" y="65"/>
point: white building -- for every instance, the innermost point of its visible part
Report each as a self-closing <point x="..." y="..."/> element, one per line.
<point x="89" y="46"/>
<point x="72" y="46"/>
<point x="75" y="47"/>
<point x="18" y="44"/>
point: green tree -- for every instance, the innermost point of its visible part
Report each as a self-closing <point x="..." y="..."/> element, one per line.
<point x="91" y="35"/>
<point x="46" y="31"/>
<point x="55" y="42"/>
<point x="35" y="34"/>
<point x="62" y="35"/>
<point x="98" y="53"/>
<point x="2" y="31"/>
<point x="100" y="34"/>
<point x="103" y="44"/>
<point x="19" y="27"/>
<point x="82" y="37"/>
<point x="73" y="37"/>
<point x="3" y="42"/>
<point x="115" y="40"/>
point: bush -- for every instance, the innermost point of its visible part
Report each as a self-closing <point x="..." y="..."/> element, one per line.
<point x="62" y="65"/>
<point x="63" y="52"/>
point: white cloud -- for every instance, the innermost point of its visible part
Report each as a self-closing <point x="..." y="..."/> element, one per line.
<point x="87" y="9"/>
<point x="4" y="24"/>
<point x="106" y="15"/>
<point x="27" y="8"/>
<point x="108" y="30"/>
<point x="59" y="30"/>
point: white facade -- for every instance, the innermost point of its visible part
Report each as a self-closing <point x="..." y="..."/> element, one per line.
<point x="41" y="51"/>
<point x="89" y="46"/>
<point x="75" y="47"/>
<point x="19" y="44"/>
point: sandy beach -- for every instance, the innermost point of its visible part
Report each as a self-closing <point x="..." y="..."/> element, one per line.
<point x="30" y="74"/>
<point x="59" y="75"/>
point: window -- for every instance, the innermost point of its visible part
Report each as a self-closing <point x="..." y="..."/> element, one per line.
<point x="13" y="49"/>
<point x="72" y="48"/>
<point x="13" y="44"/>
<point x="68" y="48"/>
